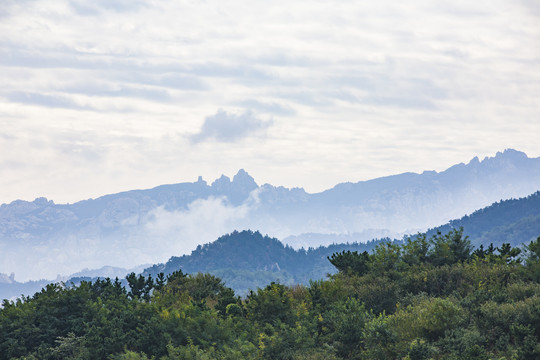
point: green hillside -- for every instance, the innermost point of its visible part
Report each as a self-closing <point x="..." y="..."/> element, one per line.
<point x="247" y="260"/>
<point x="428" y="298"/>
<point x="514" y="221"/>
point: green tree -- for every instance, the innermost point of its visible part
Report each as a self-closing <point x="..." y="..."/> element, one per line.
<point x="348" y="262"/>
<point x="415" y="250"/>
<point x="140" y="287"/>
<point x="449" y="248"/>
<point x="271" y="304"/>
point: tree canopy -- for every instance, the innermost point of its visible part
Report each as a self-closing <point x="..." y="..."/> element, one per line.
<point x="429" y="297"/>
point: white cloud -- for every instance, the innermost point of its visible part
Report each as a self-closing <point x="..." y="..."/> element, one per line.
<point x="147" y="239"/>
<point x="204" y="221"/>
<point x="230" y="127"/>
<point x="362" y="88"/>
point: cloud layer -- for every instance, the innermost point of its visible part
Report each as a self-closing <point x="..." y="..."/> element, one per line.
<point x="228" y="127"/>
<point x="155" y="236"/>
<point x="110" y="95"/>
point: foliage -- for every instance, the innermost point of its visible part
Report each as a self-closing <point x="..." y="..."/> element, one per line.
<point x="429" y="297"/>
<point x="246" y="260"/>
<point x="513" y="221"/>
<point x="350" y="262"/>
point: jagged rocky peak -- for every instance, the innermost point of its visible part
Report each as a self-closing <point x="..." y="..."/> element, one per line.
<point x="221" y="184"/>
<point x="474" y="161"/>
<point x="42" y="202"/>
<point x="508" y="159"/>
<point x="507" y="155"/>
<point x="201" y="181"/>
<point x="243" y="181"/>
<point x="513" y="154"/>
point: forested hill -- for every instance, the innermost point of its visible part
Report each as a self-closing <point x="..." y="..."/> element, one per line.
<point x="514" y="221"/>
<point x="421" y="299"/>
<point x="247" y="260"/>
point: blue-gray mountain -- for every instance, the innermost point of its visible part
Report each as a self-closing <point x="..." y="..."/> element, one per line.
<point x="10" y="288"/>
<point x="247" y="260"/>
<point x="41" y="239"/>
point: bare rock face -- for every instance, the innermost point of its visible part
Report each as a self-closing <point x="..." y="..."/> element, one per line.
<point x="237" y="190"/>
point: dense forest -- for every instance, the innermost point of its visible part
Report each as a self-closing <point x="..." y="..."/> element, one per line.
<point x="427" y="298"/>
<point x="512" y="221"/>
<point x="247" y="260"/>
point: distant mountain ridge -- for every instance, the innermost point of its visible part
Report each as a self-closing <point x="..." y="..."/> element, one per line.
<point x="10" y="288"/>
<point x="41" y="239"/>
<point x="247" y="259"/>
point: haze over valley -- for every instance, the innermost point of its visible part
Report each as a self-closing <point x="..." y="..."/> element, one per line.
<point x="42" y="239"/>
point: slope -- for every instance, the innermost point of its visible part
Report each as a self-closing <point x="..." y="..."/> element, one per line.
<point x="514" y="221"/>
<point x="248" y="260"/>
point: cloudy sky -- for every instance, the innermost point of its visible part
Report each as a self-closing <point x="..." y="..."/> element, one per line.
<point x="109" y="95"/>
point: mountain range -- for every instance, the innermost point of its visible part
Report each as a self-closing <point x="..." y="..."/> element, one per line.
<point x="247" y="260"/>
<point x="40" y="239"/>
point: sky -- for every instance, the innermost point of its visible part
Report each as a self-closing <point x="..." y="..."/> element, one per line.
<point x="103" y="96"/>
